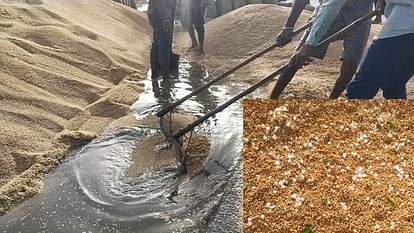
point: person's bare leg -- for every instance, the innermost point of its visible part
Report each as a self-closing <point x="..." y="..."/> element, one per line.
<point x="200" y="33"/>
<point x="377" y="20"/>
<point x="346" y="74"/>
<point x="283" y="81"/>
<point x="194" y="43"/>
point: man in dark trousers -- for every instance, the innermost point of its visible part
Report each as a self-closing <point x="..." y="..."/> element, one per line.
<point x="389" y="63"/>
<point x="330" y="17"/>
<point x="161" y="18"/>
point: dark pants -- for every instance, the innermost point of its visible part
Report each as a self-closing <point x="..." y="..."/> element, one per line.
<point x="197" y="19"/>
<point x="389" y="65"/>
<point x="161" y="41"/>
<point x="161" y="49"/>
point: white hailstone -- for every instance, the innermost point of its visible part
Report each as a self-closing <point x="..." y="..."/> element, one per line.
<point x="376" y="227"/>
<point x="268" y="205"/>
<point x="249" y="222"/>
<point x="351" y="187"/>
<point x="363" y="138"/>
<point x="283" y="183"/>
<point x="346" y="129"/>
<point x="371" y="202"/>
<point x="400" y="172"/>
<point x="359" y="174"/>
<point x="328" y="202"/>
<point x="293" y="196"/>
<point x="276" y="129"/>
<point x="411" y="184"/>
<point x="390" y="188"/>
<point x="354" y="124"/>
<point x="265" y="138"/>
<point x="262" y="216"/>
<point x="268" y="128"/>
<point x="288" y="124"/>
<point x="280" y="110"/>
<point x="277" y="164"/>
<point x="256" y="148"/>
<point x="293" y="180"/>
<point x="344" y="155"/>
<point x="290" y="158"/>
<point x="353" y="153"/>
<point x="302" y="178"/>
<point x="286" y="147"/>
<point x="343" y="205"/>
<point x="307" y="145"/>
<point x="299" y="201"/>
<point x="392" y="226"/>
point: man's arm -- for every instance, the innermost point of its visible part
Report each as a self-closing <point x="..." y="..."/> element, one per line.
<point x="320" y="25"/>
<point x="285" y="36"/>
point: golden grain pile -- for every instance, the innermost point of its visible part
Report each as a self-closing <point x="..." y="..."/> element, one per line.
<point x="338" y="166"/>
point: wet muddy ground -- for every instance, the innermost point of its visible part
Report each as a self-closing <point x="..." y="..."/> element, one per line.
<point x="91" y="193"/>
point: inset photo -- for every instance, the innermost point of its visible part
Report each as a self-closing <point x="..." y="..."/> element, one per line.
<point x="328" y="166"/>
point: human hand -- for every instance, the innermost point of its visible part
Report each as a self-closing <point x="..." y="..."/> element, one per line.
<point x="380" y="6"/>
<point x="284" y="37"/>
<point x="302" y="57"/>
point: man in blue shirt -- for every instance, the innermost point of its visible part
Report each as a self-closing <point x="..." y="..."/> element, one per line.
<point x="330" y="17"/>
<point x="389" y="63"/>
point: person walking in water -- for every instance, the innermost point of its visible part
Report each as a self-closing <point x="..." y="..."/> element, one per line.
<point x="192" y="17"/>
<point x="329" y="17"/>
<point x="161" y="18"/>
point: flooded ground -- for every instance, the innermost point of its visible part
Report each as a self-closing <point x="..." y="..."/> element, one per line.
<point x="90" y="192"/>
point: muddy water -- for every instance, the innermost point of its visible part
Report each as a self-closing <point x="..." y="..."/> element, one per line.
<point x="90" y="193"/>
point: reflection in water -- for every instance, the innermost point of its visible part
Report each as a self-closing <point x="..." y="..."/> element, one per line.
<point x="90" y="192"/>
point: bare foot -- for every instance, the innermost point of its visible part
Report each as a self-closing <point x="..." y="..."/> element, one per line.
<point x="200" y="51"/>
<point x="192" y="48"/>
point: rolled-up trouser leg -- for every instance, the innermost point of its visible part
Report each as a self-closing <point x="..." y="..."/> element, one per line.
<point x="384" y="61"/>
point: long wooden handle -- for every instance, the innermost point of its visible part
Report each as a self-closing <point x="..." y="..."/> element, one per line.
<point x="170" y="107"/>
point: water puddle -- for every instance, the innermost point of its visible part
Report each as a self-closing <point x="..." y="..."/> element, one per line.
<point x="90" y="192"/>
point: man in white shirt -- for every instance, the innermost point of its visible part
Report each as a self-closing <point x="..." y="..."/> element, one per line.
<point x="389" y="63"/>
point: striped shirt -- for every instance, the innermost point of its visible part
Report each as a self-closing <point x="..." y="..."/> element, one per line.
<point x="163" y="7"/>
<point x="400" y="18"/>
